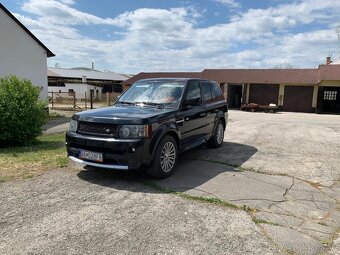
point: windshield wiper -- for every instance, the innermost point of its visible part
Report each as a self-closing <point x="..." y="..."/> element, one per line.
<point x="153" y="104"/>
<point x="126" y="102"/>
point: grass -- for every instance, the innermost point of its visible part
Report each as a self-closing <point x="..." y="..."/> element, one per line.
<point x="258" y="221"/>
<point x="25" y="162"/>
<point x="210" y="200"/>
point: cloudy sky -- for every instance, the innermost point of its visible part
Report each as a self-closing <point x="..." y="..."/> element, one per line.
<point x="178" y="35"/>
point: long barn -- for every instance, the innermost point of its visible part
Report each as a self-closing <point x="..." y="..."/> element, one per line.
<point x="297" y="90"/>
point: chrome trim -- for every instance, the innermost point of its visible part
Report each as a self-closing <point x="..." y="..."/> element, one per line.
<point x="106" y="139"/>
<point x="98" y="164"/>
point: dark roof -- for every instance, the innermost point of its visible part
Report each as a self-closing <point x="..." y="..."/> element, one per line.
<point x="142" y="75"/>
<point x="329" y="72"/>
<point x="263" y="76"/>
<point x="48" y="52"/>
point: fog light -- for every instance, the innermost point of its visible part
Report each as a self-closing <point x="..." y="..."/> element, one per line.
<point x="133" y="149"/>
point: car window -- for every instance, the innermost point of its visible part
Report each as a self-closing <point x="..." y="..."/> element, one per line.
<point x="216" y="90"/>
<point x="206" y="91"/>
<point x="194" y="91"/>
<point x="166" y="92"/>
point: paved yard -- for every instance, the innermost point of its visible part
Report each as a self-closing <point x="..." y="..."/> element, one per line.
<point x="281" y="171"/>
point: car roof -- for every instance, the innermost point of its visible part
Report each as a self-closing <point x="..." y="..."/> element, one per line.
<point x="172" y="79"/>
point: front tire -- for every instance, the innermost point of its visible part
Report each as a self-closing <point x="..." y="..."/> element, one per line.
<point x="216" y="140"/>
<point x="165" y="158"/>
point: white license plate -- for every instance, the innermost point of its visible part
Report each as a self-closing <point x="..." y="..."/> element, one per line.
<point x="94" y="156"/>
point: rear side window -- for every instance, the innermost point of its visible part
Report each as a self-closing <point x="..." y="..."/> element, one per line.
<point x="216" y="90"/>
<point x="194" y="90"/>
<point x="206" y="91"/>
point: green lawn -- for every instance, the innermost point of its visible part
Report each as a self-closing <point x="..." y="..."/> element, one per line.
<point x="47" y="152"/>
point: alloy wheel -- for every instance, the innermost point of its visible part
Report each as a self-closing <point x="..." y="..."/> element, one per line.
<point x="168" y="157"/>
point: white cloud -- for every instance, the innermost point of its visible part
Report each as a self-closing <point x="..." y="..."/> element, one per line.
<point x="169" y="39"/>
<point x="52" y="11"/>
<point x="69" y="2"/>
<point x="230" y="3"/>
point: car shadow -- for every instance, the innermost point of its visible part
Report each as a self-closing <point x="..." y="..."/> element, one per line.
<point x="195" y="167"/>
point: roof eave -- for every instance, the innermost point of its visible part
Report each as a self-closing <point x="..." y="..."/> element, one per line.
<point x="49" y="53"/>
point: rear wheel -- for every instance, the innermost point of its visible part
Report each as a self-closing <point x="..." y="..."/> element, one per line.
<point x="165" y="159"/>
<point x="217" y="139"/>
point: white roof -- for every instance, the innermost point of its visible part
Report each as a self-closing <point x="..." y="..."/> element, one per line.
<point x="90" y="74"/>
<point x="336" y="62"/>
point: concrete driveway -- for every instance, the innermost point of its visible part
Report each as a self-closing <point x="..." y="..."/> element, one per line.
<point x="273" y="188"/>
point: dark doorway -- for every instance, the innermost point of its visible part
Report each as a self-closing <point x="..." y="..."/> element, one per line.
<point x="264" y="94"/>
<point x="331" y="100"/>
<point x="298" y="99"/>
<point x="234" y="96"/>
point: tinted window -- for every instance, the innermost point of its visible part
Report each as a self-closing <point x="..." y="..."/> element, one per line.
<point x="206" y="91"/>
<point x="194" y="90"/>
<point x="216" y="90"/>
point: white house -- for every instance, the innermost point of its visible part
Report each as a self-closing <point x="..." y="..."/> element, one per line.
<point x="21" y="53"/>
<point x="84" y="80"/>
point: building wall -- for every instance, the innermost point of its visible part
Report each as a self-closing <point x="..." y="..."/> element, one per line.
<point x="20" y="55"/>
<point x="330" y="83"/>
<point x="79" y="89"/>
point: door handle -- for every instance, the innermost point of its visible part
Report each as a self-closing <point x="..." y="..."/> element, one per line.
<point x="180" y="121"/>
<point x="203" y="114"/>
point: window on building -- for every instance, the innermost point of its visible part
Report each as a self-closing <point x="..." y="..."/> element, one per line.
<point x="70" y="92"/>
<point x="330" y="95"/>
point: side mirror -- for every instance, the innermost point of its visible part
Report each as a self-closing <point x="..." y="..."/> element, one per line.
<point x="192" y="101"/>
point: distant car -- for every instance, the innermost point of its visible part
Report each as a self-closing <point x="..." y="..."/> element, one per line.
<point x="150" y="124"/>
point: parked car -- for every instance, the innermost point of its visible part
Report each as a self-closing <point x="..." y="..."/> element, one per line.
<point x="149" y="125"/>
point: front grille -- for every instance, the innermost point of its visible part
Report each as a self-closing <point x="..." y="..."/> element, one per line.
<point x="99" y="129"/>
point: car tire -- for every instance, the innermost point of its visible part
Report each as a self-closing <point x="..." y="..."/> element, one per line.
<point x="165" y="158"/>
<point x="216" y="140"/>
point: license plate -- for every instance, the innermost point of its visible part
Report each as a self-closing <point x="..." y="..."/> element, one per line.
<point x="94" y="156"/>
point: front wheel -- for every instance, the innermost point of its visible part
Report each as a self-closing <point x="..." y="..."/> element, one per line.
<point x="217" y="139"/>
<point x="165" y="158"/>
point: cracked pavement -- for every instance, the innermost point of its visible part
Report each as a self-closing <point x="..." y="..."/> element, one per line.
<point x="285" y="166"/>
<point x="282" y="168"/>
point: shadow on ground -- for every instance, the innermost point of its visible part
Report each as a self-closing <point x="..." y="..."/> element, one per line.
<point x="192" y="169"/>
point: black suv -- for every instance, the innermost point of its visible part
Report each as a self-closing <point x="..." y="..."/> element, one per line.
<point x="150" y="124"/>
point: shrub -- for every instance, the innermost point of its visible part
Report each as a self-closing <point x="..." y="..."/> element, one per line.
<point x="22" y="114"/>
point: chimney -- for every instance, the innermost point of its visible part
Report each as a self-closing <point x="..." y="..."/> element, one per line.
<point x="92" y="66"/>
<point x="328" y="60"/>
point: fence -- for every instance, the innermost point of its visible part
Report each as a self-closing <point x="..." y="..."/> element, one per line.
<point x="62" y="106"/>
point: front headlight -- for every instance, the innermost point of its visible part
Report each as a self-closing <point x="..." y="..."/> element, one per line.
<point x="73" y="126"/>
<point x="133" y="131"/>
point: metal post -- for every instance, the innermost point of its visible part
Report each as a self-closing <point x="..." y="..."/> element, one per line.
<point x="74" y="99"/>
<point x="91" y="98"/>
<point x="108" y="98"/>
<point x="52" y="99"/>
<point x="85" y="101"/>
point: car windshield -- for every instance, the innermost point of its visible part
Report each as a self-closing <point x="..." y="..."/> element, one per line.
<point x="165" y="93"/>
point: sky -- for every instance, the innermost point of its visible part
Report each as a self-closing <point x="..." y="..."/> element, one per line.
<point x="183" y="35"/>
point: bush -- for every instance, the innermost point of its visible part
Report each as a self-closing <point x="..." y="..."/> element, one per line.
<point x="22" y="114"/>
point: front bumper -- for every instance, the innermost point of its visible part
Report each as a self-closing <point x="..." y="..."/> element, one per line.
<point x="117" y="153"/>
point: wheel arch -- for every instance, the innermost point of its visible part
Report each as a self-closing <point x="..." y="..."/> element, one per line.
<point x="161" y="134"/>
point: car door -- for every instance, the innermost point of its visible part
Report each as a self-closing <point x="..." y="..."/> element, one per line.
<point x="208" y="107"/>
<point x="190" y="119"/>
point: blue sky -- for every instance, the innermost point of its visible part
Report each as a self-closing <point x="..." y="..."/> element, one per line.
<point x="181" y="35"/>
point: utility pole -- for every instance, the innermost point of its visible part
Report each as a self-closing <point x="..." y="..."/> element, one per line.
<point x="337" y="30"/>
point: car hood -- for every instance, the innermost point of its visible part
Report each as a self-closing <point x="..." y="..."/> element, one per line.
<point x="126" y="114"/>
